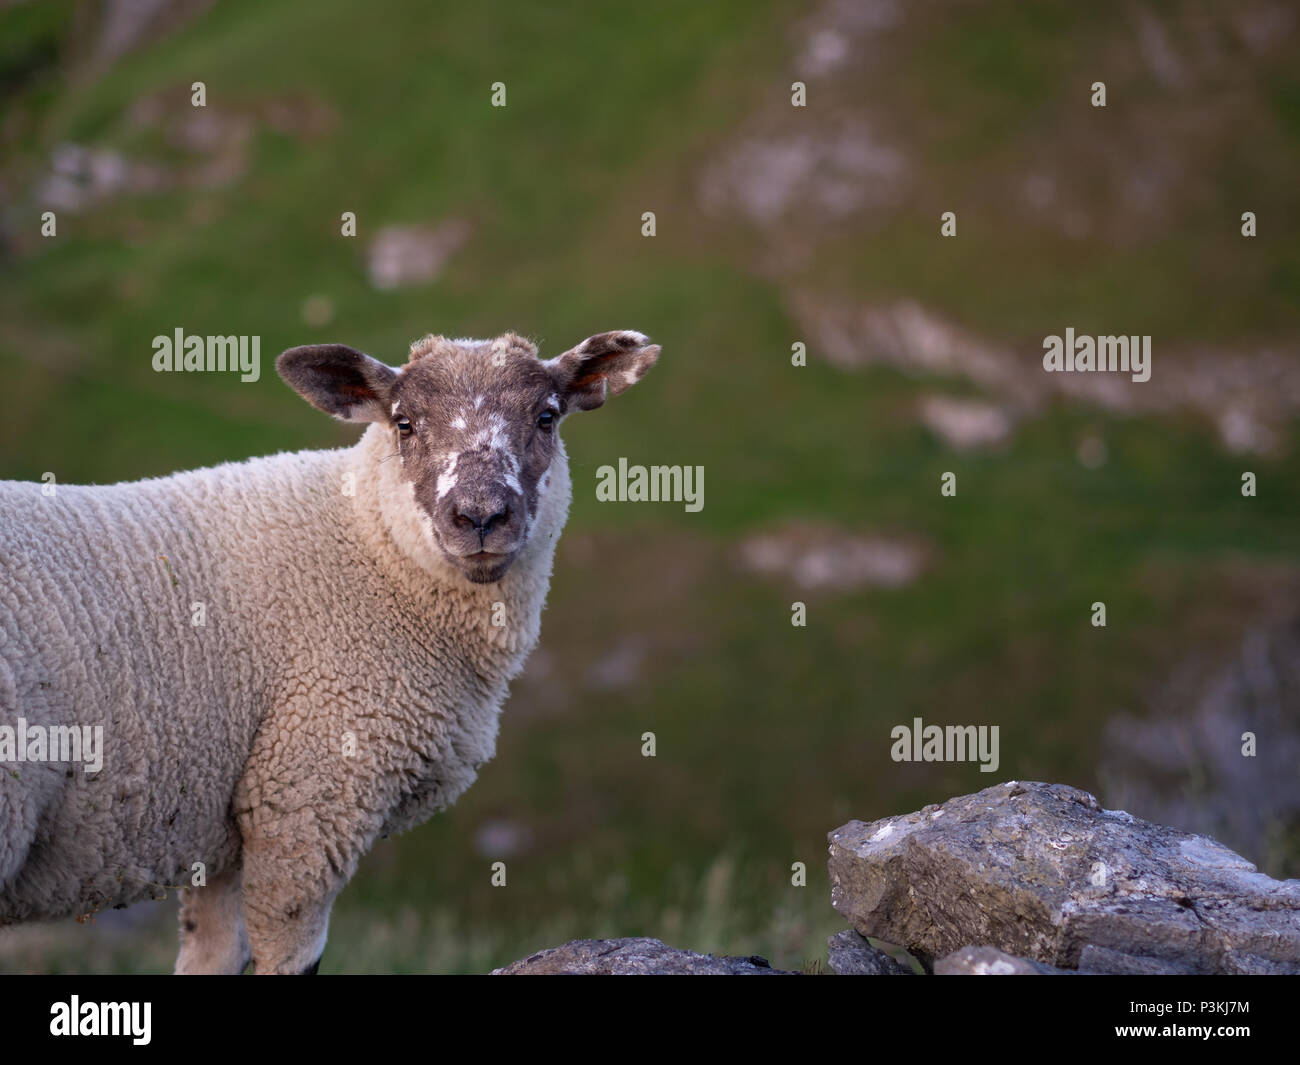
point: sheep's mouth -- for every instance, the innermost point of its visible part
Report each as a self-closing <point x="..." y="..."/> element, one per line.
<point x="485" y="567"/>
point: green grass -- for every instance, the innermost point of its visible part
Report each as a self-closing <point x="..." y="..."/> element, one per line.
<point x="769" y="736"/>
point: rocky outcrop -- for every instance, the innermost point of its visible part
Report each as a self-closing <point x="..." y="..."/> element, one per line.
<point x="633" y="957"/>
<point x="1042" y="872"/>
<point x="1021" y="879"/>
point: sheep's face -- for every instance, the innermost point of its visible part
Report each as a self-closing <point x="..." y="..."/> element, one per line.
<point x="476" y="431"/>
<point x="475" y="425"/>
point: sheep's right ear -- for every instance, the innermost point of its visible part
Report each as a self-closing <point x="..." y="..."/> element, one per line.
<point x="607" y="363"/>
<point x="339" y="380"/>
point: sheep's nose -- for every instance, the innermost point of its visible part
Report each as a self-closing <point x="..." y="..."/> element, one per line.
<point x="481" y="518"/>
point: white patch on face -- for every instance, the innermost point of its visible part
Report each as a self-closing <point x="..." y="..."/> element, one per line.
<point x="447" y="479"/>
<point x="458" y="422"/>
<point x="478" y="402"/>
<point x="396" y="404"/>
<point x="497" y="439"/>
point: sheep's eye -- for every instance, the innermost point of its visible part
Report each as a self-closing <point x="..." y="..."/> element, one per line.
<point x="404" y="426"/>
<point x="547" y="420"/>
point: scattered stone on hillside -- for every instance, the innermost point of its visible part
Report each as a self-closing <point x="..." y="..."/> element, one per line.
<point x="1248" y="395"/>
<point x="911" y="338"/>
<point x="794" y="178"/>
<point x="841" y="32"/>
<point x="80" y="176"/>
<point x="851" y="955"/>
<point x="1041" y="871"/>
<point x="413" y="255"/>
<point x="633" y="957"/>
<point x="126" y="24"/>
<point x="989" y="961"/>
<point x="847" y="165"/>
<point x="965" y="424"/>
<point x="214" y="143"/>
<point x="502" y="838"/>
<point x="828" y="174"/>
<point x="1183" y="763"/>
<point x="818" y="557"/>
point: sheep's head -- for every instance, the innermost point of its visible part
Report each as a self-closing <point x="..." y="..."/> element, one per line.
<point x="474" y="423"/>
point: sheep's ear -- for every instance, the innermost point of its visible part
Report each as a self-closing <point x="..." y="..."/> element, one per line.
<point x="339" y="380"/>
<point x="605" y="363"/>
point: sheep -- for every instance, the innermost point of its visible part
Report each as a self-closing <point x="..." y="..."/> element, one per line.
<point x="288" y="657"/>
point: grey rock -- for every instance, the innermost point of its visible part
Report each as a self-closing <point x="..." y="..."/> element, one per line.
<point x="851" y="955"/>
<point x="1041" y="871"/>
<point x="989" y="961"/>
<point x="1104" y="960"/>
<point x="633" y="957"/>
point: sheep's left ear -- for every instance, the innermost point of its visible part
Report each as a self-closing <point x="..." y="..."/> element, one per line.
<point x="339" y="380"/>
<point x="607" y="363"/>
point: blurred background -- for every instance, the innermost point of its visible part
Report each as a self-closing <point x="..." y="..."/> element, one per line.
<point x="776" y="225"/>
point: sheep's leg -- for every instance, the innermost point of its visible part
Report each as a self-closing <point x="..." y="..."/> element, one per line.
<point x="213" y="936"/>
<point x="304" y="830"/>
<point x="287" y="902"/>
<point x="299" y="852"/>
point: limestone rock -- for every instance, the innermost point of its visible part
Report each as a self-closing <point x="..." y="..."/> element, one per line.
<point x="1041" y="871"/>
<point x="851" y="955"/>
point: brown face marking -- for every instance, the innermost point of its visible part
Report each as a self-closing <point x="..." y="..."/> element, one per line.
<point x="480" y="444"/>
<point x="473" y="423"/>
